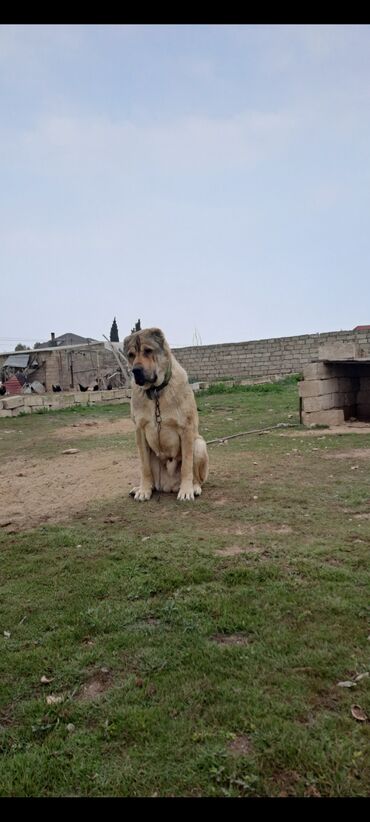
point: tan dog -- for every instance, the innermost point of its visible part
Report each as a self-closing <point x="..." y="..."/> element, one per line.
<point x="173" y="455"/>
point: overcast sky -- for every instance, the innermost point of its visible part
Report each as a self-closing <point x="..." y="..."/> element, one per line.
<point x="213" y="180"/>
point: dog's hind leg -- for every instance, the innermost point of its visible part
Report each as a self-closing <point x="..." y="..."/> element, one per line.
<point x="200" y="464"/>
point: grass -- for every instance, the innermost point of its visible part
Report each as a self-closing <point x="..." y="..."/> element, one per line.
<point x="275" y="387"/>
<point x="186" y="668"/>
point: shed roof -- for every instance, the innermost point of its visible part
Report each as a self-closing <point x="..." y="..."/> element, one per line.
<point x="17" y="360"/>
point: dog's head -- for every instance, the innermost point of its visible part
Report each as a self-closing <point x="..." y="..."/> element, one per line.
<point x="149" y="356"/>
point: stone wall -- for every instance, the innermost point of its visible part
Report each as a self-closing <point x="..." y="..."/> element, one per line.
<point x="260" y="358"/>
<point x="13" y="406"/>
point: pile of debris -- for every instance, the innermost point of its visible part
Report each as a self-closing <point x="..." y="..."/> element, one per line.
<point x="17" y="372"/>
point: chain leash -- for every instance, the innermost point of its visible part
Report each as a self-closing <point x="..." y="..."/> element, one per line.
<point x="158" y="420"/>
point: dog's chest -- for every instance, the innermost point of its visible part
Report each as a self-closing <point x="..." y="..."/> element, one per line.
<point x="161" y="434"/>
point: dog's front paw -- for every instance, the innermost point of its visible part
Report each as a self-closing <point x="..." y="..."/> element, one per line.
<point x="186" y="492"/>
<point x="141" y="493"/>
<point x="197" y="490"/>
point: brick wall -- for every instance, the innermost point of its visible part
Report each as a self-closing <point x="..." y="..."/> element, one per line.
<point x="260" y="358"/>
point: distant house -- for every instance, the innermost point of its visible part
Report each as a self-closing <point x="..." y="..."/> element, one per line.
<point x="362" y="328"/>
<point x="65" y="339"/>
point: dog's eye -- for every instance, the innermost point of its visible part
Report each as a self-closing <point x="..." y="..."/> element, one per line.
<point x="131" y="355"/>
<point x="148" y="351"/>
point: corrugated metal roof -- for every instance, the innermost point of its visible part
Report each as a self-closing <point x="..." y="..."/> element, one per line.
<point x="17" y="360"/>
<point x="85" y="346"/>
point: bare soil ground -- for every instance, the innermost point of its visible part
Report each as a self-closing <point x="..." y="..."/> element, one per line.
<point x="90" y="428"/>
<point x="350" y="454"/>
<point x="355" y="427"/>
<point x="35" y="490"/>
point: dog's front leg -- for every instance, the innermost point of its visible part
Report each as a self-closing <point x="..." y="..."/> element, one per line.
<point x="144" y="491"/>
<point x="186" y="491"/>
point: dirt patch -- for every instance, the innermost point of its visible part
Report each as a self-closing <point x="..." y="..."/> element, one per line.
<point x="312" y="791"/>
<point x="231" y="639"/>
<point x="38" y="490"/>
<point x="334" y="431"/>
<point x="278" y="529"/>
<point x="92" y="428"/>
<point x="96" y="686"/>
<point x="351" y="454"/>
<point x="7" y="717"/>
<point x="287" y="782"/>
<point x="240" y="746"/>
<point x="325" y="699"/>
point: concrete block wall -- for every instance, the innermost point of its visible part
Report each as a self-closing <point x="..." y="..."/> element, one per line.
<point x="333" y="393"/>
<point x="52" y="371"/>
<point x="363" y="395"/>
<point x="268" y="358"/>
<point x="254" y="360"/>
<point x="13" y="406"/>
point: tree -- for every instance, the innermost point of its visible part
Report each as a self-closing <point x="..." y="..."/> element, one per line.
<point x="20" y="347"/>
<point x="114" y="332"/>
<point x="137" y="327"/>
<point x="37" y="345"/>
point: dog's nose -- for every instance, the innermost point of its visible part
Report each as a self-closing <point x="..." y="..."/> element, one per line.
<point x="138" y="373"/>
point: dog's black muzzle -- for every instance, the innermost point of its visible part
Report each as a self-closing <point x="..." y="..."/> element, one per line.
<point x="140" y="376"/>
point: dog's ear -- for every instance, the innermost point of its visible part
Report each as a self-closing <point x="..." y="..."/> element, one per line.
<point x="158" y="336"/>
<point x="126" y="344"/>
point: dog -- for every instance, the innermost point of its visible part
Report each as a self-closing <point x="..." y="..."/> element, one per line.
<point x="173" y="455"/>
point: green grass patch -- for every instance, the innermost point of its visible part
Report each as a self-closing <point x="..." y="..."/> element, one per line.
<point x="257" y="388"/>
<point x="195" y="648"/>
